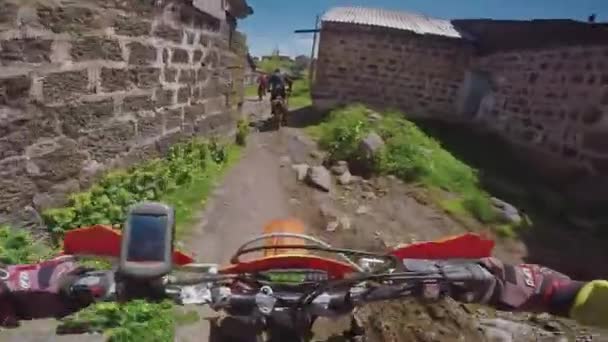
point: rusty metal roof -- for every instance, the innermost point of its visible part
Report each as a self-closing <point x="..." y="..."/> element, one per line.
<point x="399" y="20"/>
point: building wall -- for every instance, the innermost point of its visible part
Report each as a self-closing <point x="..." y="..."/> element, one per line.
<point x="548" y="98"/>
<point x="421" y="75"/>
<point x="552" y="100"/>
<point x="98" y="84"/>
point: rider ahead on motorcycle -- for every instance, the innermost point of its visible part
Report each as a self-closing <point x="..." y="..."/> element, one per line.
<point x="534" y="288"/>
<point x="279" y="84"/>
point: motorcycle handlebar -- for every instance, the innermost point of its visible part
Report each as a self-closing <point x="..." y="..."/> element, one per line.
<point x="429" y="280"/>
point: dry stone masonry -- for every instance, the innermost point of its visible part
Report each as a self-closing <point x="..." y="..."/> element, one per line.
<point x="552" y="100"/>
<point x="421" y="75"/>
<point x="91" y="85"/>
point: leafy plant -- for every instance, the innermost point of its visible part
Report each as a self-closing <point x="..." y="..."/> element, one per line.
<point x="19" y="247"/>
<point x="137" y="320"/>
<point x="107" y="201"/>
<point x="242" y="130"/>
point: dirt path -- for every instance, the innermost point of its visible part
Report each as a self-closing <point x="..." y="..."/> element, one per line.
<point x="254" y="192"/>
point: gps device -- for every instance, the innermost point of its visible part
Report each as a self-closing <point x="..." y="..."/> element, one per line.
<point x="147" y="241"/>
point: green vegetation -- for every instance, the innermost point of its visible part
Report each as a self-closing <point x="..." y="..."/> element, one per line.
<point x="188" y="167"/>
<point x="19" y="247"/>
<point x="242" y="130"/>
<point x="300" y="96"/>
<point x="408" y="153"/>
<point x="134" y="321"/>
<point x="251" y="91"/>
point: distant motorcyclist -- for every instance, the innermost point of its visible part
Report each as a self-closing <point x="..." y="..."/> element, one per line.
<point x="276" y="84"/>
<point x="534" y="288"/>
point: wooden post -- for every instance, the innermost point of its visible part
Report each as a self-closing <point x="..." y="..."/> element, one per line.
<point x="312" y="53"/>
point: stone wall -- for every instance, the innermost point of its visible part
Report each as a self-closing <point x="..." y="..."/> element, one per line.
<point x="420" y="75"/>
<point x="545" y="94"/>
<point x="554" y="101"/>
<point x="90" y="85"/>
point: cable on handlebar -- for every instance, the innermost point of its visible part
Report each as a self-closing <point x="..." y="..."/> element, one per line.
<point x="239" y="252"/>
<point x="309" y="296"/>
<point x="392" y="259"/>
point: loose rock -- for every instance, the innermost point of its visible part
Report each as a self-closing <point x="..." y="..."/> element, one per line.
<point x="319" y="177"/>
<point x="362" y="210"/>
<point x="339" y="168"/>
<point x="332" y="226"/>
<point x="343" y="222"/>
<point x="373" y="117"/>
<point x="317" y="155"/>
<point x="301" y="170"/>
<point x="371" y="145"/>
<point x="345" y="178"/>
<point x="370" y="195"/>
<point x="506" y="211"/>
<point x="285" y="160"/>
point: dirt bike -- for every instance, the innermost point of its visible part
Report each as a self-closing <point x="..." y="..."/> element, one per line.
<point x="280" y="110"/>
<point x="278" y="293"/>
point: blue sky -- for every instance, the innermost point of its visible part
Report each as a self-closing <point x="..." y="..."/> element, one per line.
<point x="274" y="21"/>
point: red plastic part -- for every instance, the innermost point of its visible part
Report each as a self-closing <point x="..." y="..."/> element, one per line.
<point x="100" y="240"/>
<point x="335" y="269"/>
<point x="466" y="246"/>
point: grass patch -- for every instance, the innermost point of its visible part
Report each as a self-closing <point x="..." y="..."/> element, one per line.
<point x="409" y="154"/>
<point x="300" y="95"/>
<point x="251" y="90"/>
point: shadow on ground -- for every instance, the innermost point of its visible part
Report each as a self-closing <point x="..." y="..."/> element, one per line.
<point x="552" y="240"/>
<point x="304" y="117"/>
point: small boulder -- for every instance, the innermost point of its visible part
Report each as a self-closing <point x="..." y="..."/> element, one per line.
<point x="373" y="117"/>
<point x="319" y="177"/>
<point x="301" y="171"/>
<point x="345" y="178"/>
<point x="370" y="195"/>
<point x="342" y="222"/>
<point x="317" y="155"/>
<point x="371" y="145"/>
<point x="362" y="210"/>
<point x="285" y="160"/>
<point x="339" y="168"/>
<point x="332" y="226"/>
<point x="345" y="223"/>
<point x="506" y="211"/>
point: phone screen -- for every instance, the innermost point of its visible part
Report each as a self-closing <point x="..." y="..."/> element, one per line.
<point x="148" y="238"/>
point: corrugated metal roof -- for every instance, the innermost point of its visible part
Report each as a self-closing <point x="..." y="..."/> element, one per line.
<point x="399" y="20"/>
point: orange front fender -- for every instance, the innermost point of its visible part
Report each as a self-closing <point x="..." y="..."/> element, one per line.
<point x="294" y="226"/>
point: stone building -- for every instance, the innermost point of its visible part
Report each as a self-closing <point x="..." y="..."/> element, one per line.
<point x="540" y="84"/>
<point x="94" y="84"/>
